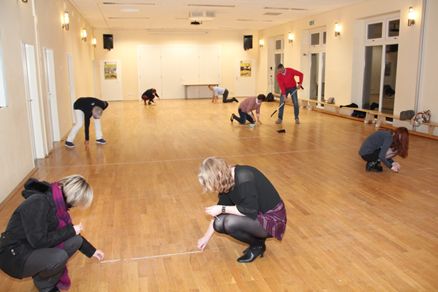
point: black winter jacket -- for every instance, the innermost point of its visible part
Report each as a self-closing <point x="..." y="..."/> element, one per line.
<point x="33" y="225"/>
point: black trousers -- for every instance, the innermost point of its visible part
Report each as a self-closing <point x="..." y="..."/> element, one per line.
<point x="225" y="97"/>
<point x="372" y="157"/>
<point x="46" y="265"/>
<point x="243" y="117"/>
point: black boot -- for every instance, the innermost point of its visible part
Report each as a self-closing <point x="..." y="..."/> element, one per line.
<point x="252" y="253"/>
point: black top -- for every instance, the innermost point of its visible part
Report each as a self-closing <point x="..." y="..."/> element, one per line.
<point x="252" y="192"/>
<point x="380" y="140"/>
<point x="149" y="94"/>
<point x="33" y="225"/>
<point x="86" y="105"/>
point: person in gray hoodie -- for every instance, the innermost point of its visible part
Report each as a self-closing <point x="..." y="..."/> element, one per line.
<point x="382" y="146"/>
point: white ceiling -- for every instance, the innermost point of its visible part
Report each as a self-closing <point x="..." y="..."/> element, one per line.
<point x="173" y="14"/>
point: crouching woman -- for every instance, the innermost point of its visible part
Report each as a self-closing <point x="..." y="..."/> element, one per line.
<point x="249" y="208"/>
<point x="40" y="237"/>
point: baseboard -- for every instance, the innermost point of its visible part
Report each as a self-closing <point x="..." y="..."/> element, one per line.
<point x="17" y="189"/>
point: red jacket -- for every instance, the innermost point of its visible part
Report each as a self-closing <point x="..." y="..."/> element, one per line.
<point x="287" y="80"/>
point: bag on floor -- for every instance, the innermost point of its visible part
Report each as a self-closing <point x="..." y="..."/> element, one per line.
<point x="421" y="118"/>
<point x="406" y="115"/>
<point x="331" y="100"/>
<point x="270" y="97"/>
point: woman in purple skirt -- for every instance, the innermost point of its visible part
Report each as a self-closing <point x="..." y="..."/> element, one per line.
<point x="249" y="208"/>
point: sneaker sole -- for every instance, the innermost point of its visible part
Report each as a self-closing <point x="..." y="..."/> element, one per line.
<point x="69" y="147"/>
<point x="100" y="143"/>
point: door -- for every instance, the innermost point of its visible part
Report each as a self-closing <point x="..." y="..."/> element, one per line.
<point x="51" y="94"/>
<point x="390" y="75"/>
<point x="278" y="59"/>
<point x="314" y="76"/>
<point x="372" y="77"/>
<point x="71" y="84"/>
<point x="33" y="100"/>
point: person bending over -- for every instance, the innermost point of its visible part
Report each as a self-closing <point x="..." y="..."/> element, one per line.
<point x="40" y="236"/>
<point x="288" y="85"/>
<point x="84" y="109"/>
<point x="149" y="96"/>
<point x="249" y="208"/>
<point x="382" y="146"/>
<point x="216" y="90"/>
<point x="245" y="110"/>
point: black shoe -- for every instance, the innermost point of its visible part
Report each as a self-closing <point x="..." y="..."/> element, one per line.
<point x="252" y="253"/>
<point x="235" y="99"/>
<point x="374" y="166"/>
<point x="55" y="290"/>
<point x="69" y="144"/>
<point x="101" y="141"/>
<point x="232" y="118"/>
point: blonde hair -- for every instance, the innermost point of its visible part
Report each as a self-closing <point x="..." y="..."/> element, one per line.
<point x="215" y="175"/>
<point x="77" y="191"/>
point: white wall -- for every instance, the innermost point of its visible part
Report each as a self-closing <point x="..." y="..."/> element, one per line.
<point x="17" y="27"/>
<point x="126" y="44"/>
<point x="429" y="87"/>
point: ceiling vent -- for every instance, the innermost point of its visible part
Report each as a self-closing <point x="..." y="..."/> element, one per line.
<point x="195" y="22"/>
<point x="200" y="16"/>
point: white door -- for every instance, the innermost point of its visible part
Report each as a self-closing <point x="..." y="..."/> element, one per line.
<point x="111" y="80"/>
<point x="71" y="83"/>
<point x="33" y="99"/>
<point x="51" y="94"/>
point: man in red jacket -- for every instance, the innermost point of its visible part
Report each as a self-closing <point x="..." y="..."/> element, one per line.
<point x="287" y="83"/>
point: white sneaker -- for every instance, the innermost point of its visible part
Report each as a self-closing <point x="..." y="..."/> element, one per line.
<point x="252" y="125"/>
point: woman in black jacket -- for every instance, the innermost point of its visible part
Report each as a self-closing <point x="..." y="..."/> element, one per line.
<point x="249" y="208"/>
<point x="40" y="237"/>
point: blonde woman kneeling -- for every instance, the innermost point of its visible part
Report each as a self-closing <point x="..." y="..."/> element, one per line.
<point x="40" y="236"/>
<point x="249" y="208"/>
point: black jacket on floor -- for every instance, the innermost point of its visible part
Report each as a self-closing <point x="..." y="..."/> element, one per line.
<point x="33" y="225"/>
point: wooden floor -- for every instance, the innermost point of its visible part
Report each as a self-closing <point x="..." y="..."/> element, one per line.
<point x="347" y="229"/>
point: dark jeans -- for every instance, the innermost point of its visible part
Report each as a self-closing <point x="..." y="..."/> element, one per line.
<point x="243" y="117"/>
<point x="294" y="100"/>
<point x="46" y="265"/>
<point x="372" y="157"/>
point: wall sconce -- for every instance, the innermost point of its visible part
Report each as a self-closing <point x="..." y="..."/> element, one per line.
<point x="338" y="29"/>
<point x="411" y="16"/>
<point x="94" y="42"/>
<point x="261" y="43"/>
<point x="291" y="38"/>
<point x="84" y="34"/>
<point x="65" y="20"/>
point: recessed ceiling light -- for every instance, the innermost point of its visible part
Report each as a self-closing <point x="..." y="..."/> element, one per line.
<point x="130" y="10"/>
<point x="273" y="13"/>
<point x="123" y="3"/>
<point x="285" y="8"/>
<point x="212" y="5"/>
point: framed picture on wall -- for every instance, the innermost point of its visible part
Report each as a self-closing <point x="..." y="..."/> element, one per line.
<point x="110" y="70"/>
<point x="245" y="68"/>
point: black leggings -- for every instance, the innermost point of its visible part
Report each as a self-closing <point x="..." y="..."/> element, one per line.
<point x="241" y="228"/>
<point x="225" y="97"/>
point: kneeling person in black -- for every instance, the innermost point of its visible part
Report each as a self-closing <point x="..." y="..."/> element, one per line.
<point x="149" y="96"/>
<point x="249" y="208"/>
<point x="85" y="108"/>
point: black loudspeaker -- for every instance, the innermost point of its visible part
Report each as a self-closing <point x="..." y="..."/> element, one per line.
<point x="247" y="42"/>
<point x="108" y="42"/>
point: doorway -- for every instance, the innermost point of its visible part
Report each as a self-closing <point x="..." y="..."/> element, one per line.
<point x="33" y="101"/>
<point x="51" y="94"/>
<point x="317" y="64"/>
<point x="380" y="77"/>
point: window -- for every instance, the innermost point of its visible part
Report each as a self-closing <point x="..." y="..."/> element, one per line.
<point x="279" y="44"/>
<point x="314" y="39"/>
<point x="3" y="102"/>
<point x="375" y="31"/>
<point x="394" y="28"/>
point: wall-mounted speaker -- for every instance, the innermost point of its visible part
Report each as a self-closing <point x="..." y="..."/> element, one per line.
<point x="247" y="42"/>
<point x="108" y="41"/>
